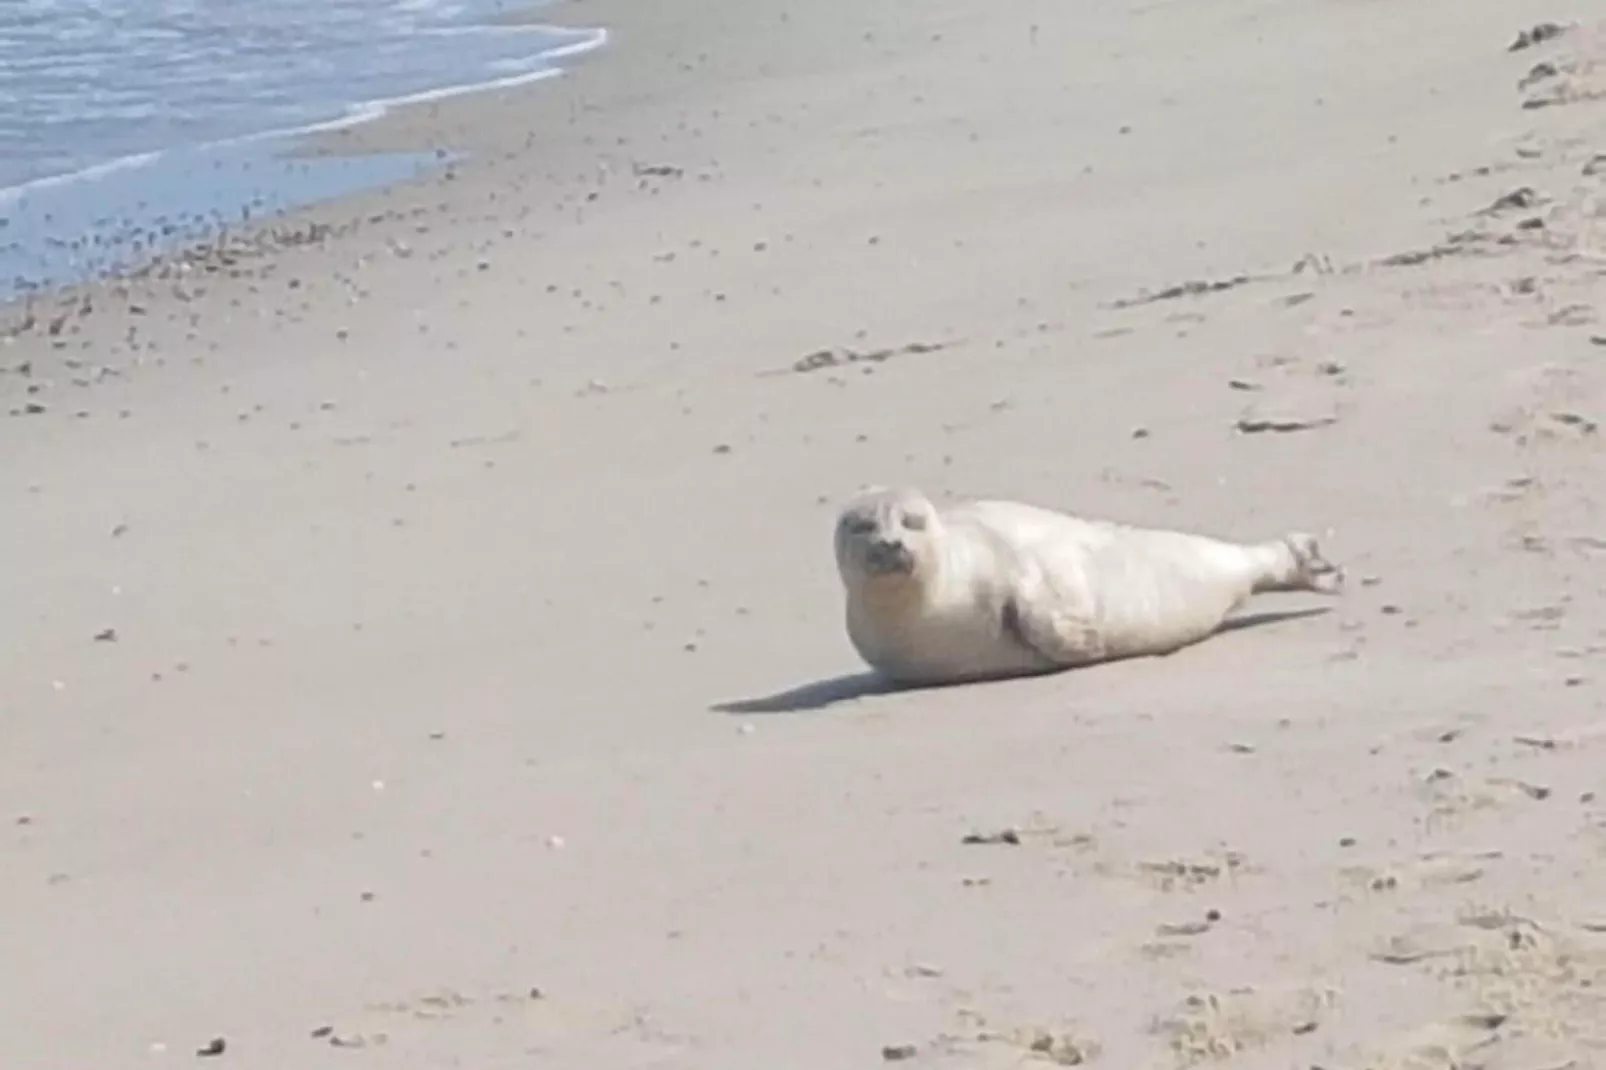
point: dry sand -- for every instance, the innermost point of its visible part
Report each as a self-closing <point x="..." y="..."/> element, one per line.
<point x="422" y="649"/>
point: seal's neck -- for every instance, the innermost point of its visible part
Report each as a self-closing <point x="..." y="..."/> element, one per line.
<point x="891" y="594"/>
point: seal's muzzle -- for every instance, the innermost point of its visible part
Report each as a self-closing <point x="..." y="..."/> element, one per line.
<point x="889" y="556"/>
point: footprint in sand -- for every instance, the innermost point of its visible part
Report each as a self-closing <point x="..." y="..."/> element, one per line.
<point x="1529" y="983"/>
<point x="1211" y="1026"/>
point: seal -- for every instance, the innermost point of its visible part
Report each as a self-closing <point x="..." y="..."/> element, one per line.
<point x="987" y="589"/>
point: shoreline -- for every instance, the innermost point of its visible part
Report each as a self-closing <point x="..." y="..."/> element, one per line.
<point x="160" y="221"/>
<point x="423" y="641"/>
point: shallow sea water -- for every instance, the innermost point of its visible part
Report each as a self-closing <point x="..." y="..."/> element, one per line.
<point x="120" y="119"/>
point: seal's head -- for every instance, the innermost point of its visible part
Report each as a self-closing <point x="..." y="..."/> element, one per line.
<point x="885" y="538"/>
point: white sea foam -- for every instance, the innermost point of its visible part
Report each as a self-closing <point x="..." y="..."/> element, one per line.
<point x="86" y="174"/>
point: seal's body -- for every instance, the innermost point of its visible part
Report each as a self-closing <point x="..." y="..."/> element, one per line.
<point x="993" y="588"/>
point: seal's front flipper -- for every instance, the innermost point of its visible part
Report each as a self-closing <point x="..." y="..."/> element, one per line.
<point x="1060" y="639"/>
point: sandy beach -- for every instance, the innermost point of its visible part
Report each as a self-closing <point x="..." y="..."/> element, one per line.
<point x="422" y="648"/>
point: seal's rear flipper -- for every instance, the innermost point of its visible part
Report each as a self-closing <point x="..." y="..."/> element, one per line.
<point x="1312" y="571"/>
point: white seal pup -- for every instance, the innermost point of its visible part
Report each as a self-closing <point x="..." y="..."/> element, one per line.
<point x="988" y="589"/>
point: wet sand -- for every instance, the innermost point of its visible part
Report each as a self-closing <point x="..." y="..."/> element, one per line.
<point x="423" y="647"/>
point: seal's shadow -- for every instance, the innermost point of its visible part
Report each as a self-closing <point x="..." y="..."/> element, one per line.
<point x="1271" y="616"/>
<point x="814" y="696"/>
<point x="820" y="694"/>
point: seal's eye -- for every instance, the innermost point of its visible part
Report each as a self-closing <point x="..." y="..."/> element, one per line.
<point x="861" y="525"/>
<point x="914" y="521"/>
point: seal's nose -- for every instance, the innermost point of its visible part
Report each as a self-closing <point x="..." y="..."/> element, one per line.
<point x="886" y="553"/>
